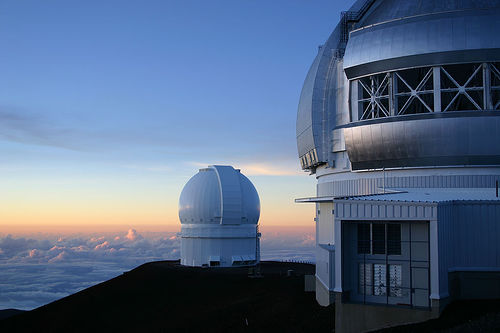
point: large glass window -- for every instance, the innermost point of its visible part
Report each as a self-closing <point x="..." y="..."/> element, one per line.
<point x="386" y="262"/>
<point x="373" y="280"/>
<point x="394" y="239"/>
<point x="364" y="238"/>
<point x="378" y="238"/>
<point x="461" y="87"/>
<point x="372" y="238"/>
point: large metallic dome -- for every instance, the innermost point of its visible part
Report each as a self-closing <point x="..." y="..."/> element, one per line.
<point x="219" y="195"/>
<point x="405" y="84"/>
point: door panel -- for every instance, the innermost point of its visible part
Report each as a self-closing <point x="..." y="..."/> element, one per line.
<point x="420" y="286"/>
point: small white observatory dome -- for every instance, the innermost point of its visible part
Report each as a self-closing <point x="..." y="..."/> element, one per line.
<point x="219" y="209"/>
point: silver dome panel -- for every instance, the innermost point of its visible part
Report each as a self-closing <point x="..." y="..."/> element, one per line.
<point x="460" y="36"/>
<point x="457" y="138"/>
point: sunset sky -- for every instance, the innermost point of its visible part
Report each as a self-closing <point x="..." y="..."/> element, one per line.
<point x="107" y="108"/>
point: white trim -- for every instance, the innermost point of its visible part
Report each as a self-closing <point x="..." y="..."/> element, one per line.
<point x="323" y="283"/>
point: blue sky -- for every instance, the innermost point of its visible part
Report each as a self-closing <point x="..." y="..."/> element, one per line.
<point x="104" y="104"/>
<point x="107" y="108"/>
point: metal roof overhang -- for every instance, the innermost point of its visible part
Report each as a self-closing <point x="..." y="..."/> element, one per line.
<point x="314" y="199"/>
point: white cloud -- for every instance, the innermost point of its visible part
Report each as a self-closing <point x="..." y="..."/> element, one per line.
<point x="37" y="271"/>
<point x="34" y="253"/>
<point x="132" y="235"/>
<point x="103" y="246"/>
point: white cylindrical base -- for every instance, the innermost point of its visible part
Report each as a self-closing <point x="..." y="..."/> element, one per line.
<point x="219" y="245"/>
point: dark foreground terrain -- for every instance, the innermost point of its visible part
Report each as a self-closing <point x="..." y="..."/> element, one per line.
<point x="166" y="297"/>
<point x="9" y="313"/>
<point x="460" y="316"/>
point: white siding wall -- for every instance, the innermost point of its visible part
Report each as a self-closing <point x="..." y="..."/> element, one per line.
<point x="325" y="223"/>
<point x="197" y="251"/>
<point x="325" y="266"/>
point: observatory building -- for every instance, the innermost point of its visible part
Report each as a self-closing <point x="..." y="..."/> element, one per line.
<point x="219" y="209"/>
<point x="399" y="121"/>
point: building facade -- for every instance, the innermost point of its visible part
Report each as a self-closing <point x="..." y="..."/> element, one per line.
<point x="399" y="120"/>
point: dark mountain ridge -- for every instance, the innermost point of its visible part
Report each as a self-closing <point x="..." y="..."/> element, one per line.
<point x="167" y="297"/>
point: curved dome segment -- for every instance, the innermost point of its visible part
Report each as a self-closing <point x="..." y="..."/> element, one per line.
<point x="251" y="203"/>
<point x="387" y="10"/>
<point x="306" y="121"/>
<point x="428" y="35"/>
<point x="317" y="113"/>
<point x="314" y="117"/>
<point x="457" y="138"/>
<point x="219" y="195"/>
<point x="200" y="200"/>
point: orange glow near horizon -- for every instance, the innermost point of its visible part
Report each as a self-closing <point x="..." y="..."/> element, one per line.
<point x="103" y="228"/>
<point x="107" y="208"/>
<point x="73" y="220"/>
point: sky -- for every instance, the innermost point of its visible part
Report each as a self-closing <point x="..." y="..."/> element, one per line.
<point x="107" y="108"/>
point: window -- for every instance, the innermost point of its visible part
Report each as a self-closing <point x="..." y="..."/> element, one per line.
<point x="364" y="238"/>
<point x="378" y="237"/>
<point x="460" y="87"/>
<point x="373" y="238"/>
<point x="379" y="280"/>
<point x="373" y="280"/>
<point x="394" y="239"/>
<point x="365" y="279"/>
<point x="395" y="281"/>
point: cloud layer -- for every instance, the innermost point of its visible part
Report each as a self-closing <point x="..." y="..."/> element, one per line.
<point x="37" y="270"/>
<point x="34" y="272"/>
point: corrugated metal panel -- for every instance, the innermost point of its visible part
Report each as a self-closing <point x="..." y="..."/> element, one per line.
<point x="199" y="252"/>
<point x="432" y="195"/>
<point x="349" y="210"/>
<point x="374" y="185"/>
<point x="469" y="236"/>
